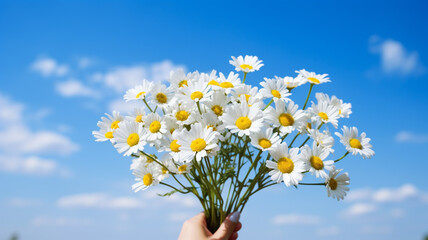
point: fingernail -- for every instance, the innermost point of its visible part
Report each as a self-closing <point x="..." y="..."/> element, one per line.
<point x="235" y="217"/>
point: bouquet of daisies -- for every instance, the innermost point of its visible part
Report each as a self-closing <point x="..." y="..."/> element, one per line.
<point x="213" y="136"/>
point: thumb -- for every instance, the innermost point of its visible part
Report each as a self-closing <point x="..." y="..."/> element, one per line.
<point x="227" y="227"/>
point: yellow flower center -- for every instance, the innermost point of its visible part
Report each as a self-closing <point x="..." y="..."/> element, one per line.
<point x="265" y="143"/>
<point x="276" y="93"/>
<point x="226" y="85"/>
<point x="217" y="110"/>
<point x="150" y="160"/>
<point x="115" y="125"/>
<point x="196" y="95"/>
<point x="133" y="139"/>
<point x="340" y="111"/>
<point x="182" y="115"/>
<point x="355" y="143"/>
<point x="317" y="163"/>
<point x="139" y="118"/>
<point x="182" y="168"/>
<point x="309" y="125"/>
<point x="148" y="179"/>
<point x="198" y="145"/>
<point x="247" y="96"/>
<point x="182" y="83"/>
<point x="164" y="171"/>
<point x="246" y="66"/>
<point x="171" y="130"/>
<point x="154" y="126"/>
<point x="212" y="126"/>
<point x="285" y="165"/>
<point x="161" y="97"/>
<point x="174" y="146"/>
<point x="313" y="80"/>
<point x="285" y="119"/>
<point x="109" y="135"/>
<point x="213" y="82"/>
<point x="243" y="123"/>
<point x="141" y="93"/>
<point x="323" y="116"/>
<point x="332" y="183"/>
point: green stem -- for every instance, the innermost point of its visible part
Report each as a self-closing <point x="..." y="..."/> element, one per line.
<point x="294" y="139"/>
<point x="271" y="101"/>
<point x="144" y="100"/>
<point x="245" y="76"/>
<point x="312" y="184"/>
<point x="307" y="98"/>
<point x="337" y="160"/>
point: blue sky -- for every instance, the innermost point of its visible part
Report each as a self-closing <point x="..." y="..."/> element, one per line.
<point x="64" y="64"/>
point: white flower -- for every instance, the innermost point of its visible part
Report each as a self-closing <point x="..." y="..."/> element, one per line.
<point x="161" y="95"/>
<point x="199" y="142"/>
<point x="315" y="159"/>
<point x="227" y="84"/>
<point x="105" y="133"/>
<point x="249" y="92"/>
<point x="276" y="89"/>
<point x="337" y="185"/>
<point x="242" y="119"/>
<point x="179" y="79"/>
<point x="129" y="138"/>
<point x="247" y="64"/>
<point x="291" y="82"/>
<point x="217" y="103"/>
<point x="322" y="138"/>
<point x="112" y="121"/>
<point x="286" y="117"/>
<point x="145" y="177"/>
<point x="169" y="144"/>
<point x="343" y="108"/>
<point x="137" y="115"/>
<point x="313" y="78"/>
<point x="195" y="91"/>
<point x="155" y="127"/>
<point x="287" y="167"/>
<point x="184" y="113"/>
<point x="325" y="112"/>
<point x="265" y="140"/>
<point x="354" y="143"/>
<point x="142" y="160"/>
<point x="183" y="168"/>
<point x="139" y="92"/>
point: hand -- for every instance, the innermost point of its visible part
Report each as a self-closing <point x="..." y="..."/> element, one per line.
<point x="196" y="228"/>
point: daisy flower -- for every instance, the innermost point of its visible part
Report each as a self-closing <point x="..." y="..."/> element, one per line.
<point x="184" y="113"/>
<point x="145" y="177"/>
<point x="337" y="185"/>
<point x="217" y="103"/>
<point x="275" y="89"/>
<point x="129" y="138"/>
<point x="287" y="167"/>
<point x="155" y="127"/>
<point x="343" y="108"/>
<point x="111" y="121"/>
<point x="182" y="168"/>
<point x="197" y="143"/>
<point x="247" y="91"/>
<point x="322" y="138"/>
<point x="354" y="143"/>
<point x="161" y="95"/>
<point x="169" y="144"/>
<point x="313" y="78"/>
<point x="137" y="115"/>
<point x="325" y="112"/>
<point x="139" y="92"/>
<point x="180" y="79"/>
<point x="242" y="119"/>
<point x="265" y="140"/>
<point x="291" y="82"/>
<point x="105" y="133"/>
<point x="285" y="116"/>
<point x="247" y="64"/>
<point x="232" y="81"/>
<point x="314" y="157"/>
<point x="142" y="160"/>
<point x="195" y="91"/>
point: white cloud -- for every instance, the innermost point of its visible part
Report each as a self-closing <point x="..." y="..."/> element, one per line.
<point x="99" y="200"/>
<point x="395" y="58"/>
<point x="370" y="229"/>
<point x="179" y="216"/>
<point x="49" y="67"/>
<point x="328" y="231"/>
<point x="406" y="136"/>
<point x="286" y="219"/>
<point x="18" y="139"/>
<point x="178" y="199"/>
<point x="122" y="78"/>
<point x="85" y="62"/>
<point x="73" y="87"/>
<point x="360" y="209"/>
<point x="29" y="165"/>
<point x="395" y="195"/>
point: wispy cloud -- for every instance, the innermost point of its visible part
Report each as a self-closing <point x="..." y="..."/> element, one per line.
<point x="328" y="231"/>
<point x="395" y="58"/>
<point x="286" y="219"/>
<point x="99" y="200"/>
<point x="85" y="62"/>
<point x="410" y="137"/>
<point x="381" y="195"/>
<point x="73" y="88"/>
<point x="60" y="221"/>
<point x="49" y="67"/>
<point x="31" y="165"/>
<point x="358" y="209"/>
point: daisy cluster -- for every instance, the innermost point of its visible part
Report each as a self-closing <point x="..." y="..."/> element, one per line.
<point x="195" y="116"/>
